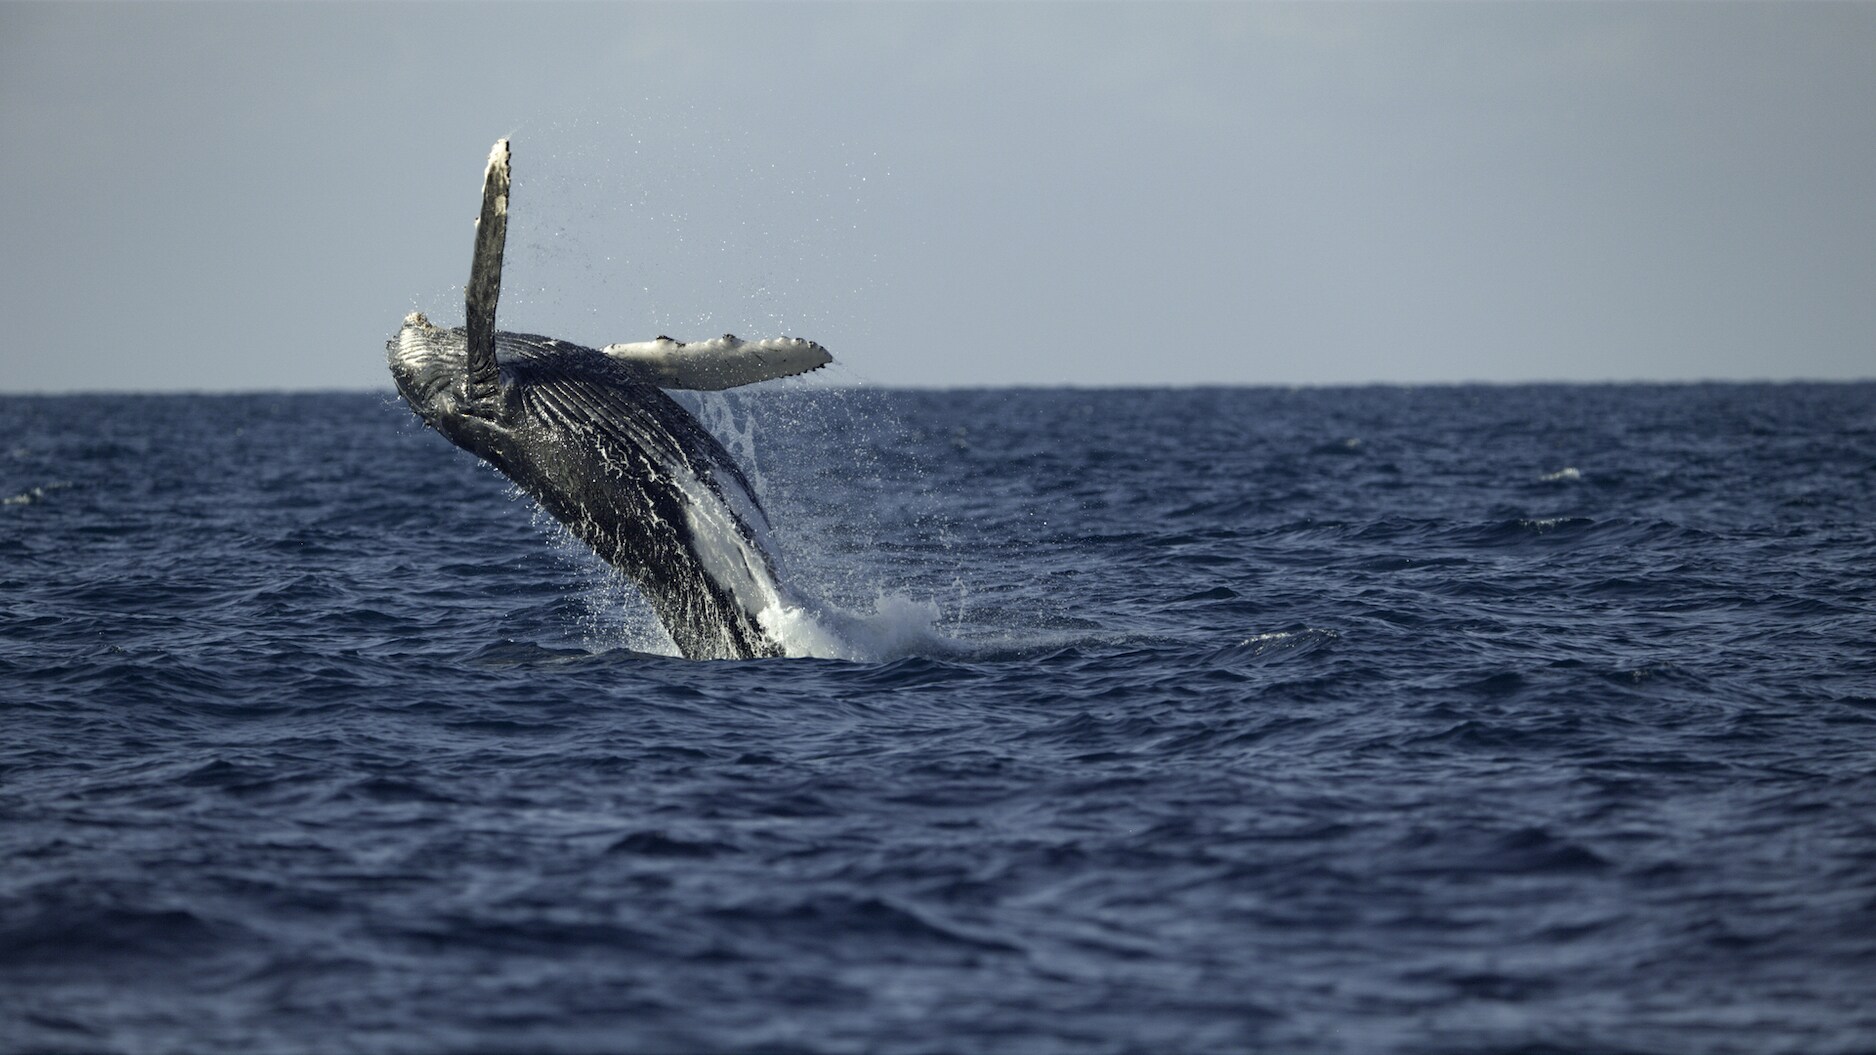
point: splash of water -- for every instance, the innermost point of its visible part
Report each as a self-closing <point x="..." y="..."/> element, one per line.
<point x="807" y="570"/>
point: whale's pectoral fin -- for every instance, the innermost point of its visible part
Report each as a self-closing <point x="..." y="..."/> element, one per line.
<point x="485" y="275"/>
<point x="724" y="362"/>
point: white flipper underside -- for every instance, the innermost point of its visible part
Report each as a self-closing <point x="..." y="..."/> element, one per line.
<point x="724" y="362"/>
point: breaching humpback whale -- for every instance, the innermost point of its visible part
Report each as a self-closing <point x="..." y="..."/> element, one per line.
<point x="591" y="437"/>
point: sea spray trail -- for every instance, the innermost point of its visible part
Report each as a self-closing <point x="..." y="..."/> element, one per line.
<point x="830" y="554"/>
<point x="834" y="553"/>
<point x="1263" y="739"/>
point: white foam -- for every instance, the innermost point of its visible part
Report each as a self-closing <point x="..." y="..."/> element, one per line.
<point x="896" y="628"/>
<point x="32" y="495"/>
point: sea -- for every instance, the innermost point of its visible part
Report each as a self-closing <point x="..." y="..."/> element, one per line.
<point x="1488" y="718"/>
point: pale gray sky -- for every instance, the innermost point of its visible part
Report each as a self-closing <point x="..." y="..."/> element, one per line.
<point x="242" y="197"/>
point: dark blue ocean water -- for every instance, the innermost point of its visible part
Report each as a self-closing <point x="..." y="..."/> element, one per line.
<point x="1354" y="720"/>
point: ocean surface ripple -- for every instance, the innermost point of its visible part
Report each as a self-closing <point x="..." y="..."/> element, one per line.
<point x="1450" y="719"/>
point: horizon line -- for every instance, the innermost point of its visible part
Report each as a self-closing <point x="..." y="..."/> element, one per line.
<point x="1038" y="386"/>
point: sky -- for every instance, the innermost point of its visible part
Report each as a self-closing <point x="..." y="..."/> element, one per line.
<point x="251" y="197"/>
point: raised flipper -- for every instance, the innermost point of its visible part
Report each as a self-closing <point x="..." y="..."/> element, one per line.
<point x="725" y="362"/>
<point x="485" y="275"/>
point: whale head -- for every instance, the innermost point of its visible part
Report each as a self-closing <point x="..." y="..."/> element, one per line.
<point x="429" y="365"/>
